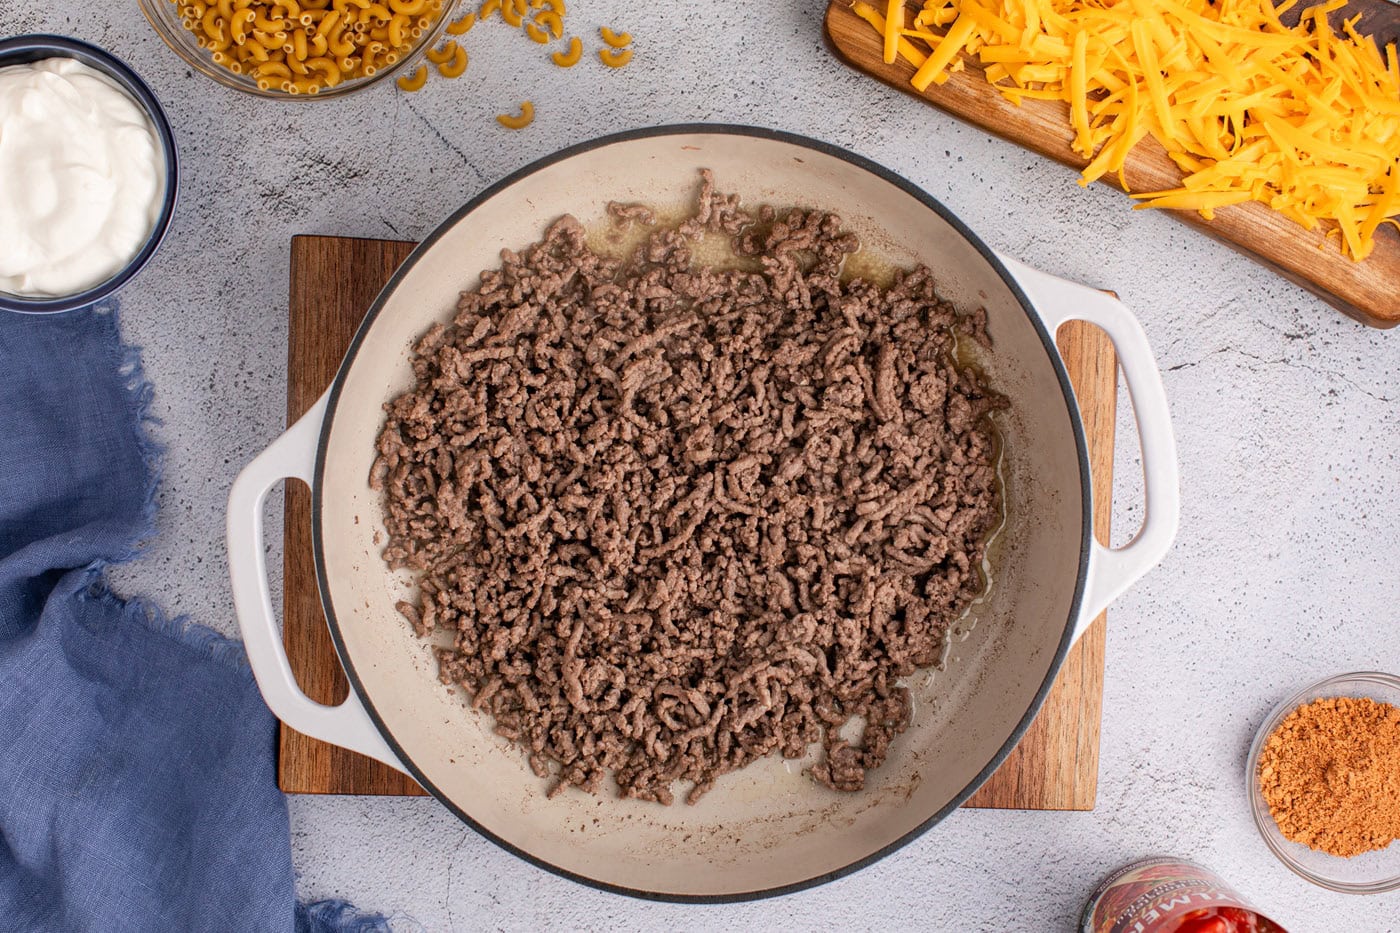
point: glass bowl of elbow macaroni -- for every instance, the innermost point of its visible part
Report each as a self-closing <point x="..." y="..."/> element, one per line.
<point x="299" y="49"/>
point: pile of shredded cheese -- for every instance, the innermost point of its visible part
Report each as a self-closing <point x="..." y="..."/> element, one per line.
<point x="1302" y="118"/>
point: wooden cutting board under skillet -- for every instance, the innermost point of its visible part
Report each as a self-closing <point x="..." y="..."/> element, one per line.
<point x="333" y="282"/>
<point x="1368" y="291"/>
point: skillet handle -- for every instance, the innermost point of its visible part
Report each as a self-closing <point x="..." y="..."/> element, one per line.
<point x="1113" y="570"/>
<point x="291" y="456"/>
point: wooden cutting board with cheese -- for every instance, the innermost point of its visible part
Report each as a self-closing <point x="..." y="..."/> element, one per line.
<point x="1368" y="290"/>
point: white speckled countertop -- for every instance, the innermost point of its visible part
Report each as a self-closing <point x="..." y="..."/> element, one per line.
<point x="1287" y="416"/>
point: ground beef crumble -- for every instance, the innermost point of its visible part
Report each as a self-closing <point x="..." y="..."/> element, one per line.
<point x="677" y="517"/>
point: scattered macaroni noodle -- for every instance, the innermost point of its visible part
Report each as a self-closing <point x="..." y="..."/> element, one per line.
<point x="414" y="83"/>
<point x="615" y="58"/>
<point x="457" y="65"/>
<point x="443" y="54"/>
<point x="511" y="14"/>
<point x="307" y="46"/>
<point x="536" y="33"/>
<point x="461" y="26"/>
<point x="488" y="8"/>
<point x="553" y="21"/>
<point x="510" y="122"/>
<point x="618" y="40"/>
<point x="570" y="58"/>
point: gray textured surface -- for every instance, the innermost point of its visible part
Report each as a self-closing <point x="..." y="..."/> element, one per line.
<point x="1286" y="415"/>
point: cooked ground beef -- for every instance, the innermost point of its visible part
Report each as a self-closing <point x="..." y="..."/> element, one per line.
<point x="677" y="517"/>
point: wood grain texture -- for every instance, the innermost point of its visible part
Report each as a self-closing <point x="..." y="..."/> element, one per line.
<point x="334" y="280"/>
<point x="1368" y="291"/>
<point x="1056" y="766"/>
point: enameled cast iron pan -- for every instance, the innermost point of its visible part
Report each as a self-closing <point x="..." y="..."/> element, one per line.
<point x="766" y="829"/>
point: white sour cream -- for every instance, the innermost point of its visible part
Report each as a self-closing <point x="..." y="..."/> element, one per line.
<point x="81" y="178"/>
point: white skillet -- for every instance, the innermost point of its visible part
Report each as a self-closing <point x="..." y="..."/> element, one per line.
<point x="766" y="829"/>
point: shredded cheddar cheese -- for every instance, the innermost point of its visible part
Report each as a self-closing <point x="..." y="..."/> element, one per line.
<point x="894" y="24"/>
<point x="906" y="48"/>
<point x="1303" y="118"/>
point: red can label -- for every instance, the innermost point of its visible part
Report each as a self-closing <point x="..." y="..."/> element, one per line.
<point x="1158" y="895"/>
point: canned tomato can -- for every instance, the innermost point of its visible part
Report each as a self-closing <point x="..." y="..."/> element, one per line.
<point x="1170" y="895"/>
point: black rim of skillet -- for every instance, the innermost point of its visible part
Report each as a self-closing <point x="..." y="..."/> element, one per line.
<point x="21" y="50"/>
<point x="1047" y="340"/>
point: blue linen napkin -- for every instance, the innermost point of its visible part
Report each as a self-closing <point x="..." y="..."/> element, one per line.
<point x="137" y="789"/>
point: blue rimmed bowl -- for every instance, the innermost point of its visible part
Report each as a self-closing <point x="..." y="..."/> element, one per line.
<point x="21" y="50"/>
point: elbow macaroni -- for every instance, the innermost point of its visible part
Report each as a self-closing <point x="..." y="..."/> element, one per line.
<point x="443" y="54"/>
<point x="238" y="26"/>
<point x="618" y="40"/>
<point x="416" y="82"/>
<point x="615" y="52"/>
<point x="615" y="58"/>
<point x="570" y="58"/>
<point x="511" y="122"/>
<point x="552" y="21"/>
<point x="328" y="70"/>
<point x="398" y="30"/>
<point x="457" y="65"/>
<point x="340" y="44"/>
<point x="307" y="46"/>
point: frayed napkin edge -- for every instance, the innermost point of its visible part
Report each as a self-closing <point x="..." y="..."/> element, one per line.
<point x="140" y="398"/>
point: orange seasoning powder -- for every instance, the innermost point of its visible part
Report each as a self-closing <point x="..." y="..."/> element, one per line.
<point x="1330" y="773"/>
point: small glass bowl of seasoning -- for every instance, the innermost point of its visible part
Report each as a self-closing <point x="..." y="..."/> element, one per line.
<point x="1324" y="780"/>
<point x="88" y="188"/>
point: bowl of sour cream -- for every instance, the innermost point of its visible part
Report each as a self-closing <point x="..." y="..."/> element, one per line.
<point x="88" y="174"/>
